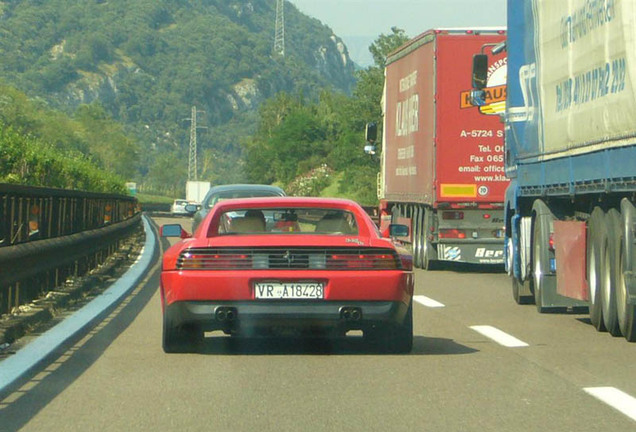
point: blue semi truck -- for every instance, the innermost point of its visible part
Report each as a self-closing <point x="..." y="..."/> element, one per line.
<point x="570" y="153"/>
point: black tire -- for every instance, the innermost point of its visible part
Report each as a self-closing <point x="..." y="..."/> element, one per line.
<point x="595" y="232"/>
<point x="427" y="247"/>
<point x="609" y="270"/>
<point x="517" y="287"/>
<point x="626" y="312"/>
<point x="179" y="338"/>
<point x="541" y="254"/>
<point x="417" y="236"/>
<point x="395" y="339"/>
<point x="401" y="341"/>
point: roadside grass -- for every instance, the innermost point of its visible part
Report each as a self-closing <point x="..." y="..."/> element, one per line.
<point x="153" y="199"/>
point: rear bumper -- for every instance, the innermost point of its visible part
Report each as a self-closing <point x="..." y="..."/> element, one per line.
<point x="312" y="316"/>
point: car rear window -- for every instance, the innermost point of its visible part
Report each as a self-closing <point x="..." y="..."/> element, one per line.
<point x="239" y="194"/>
<point x="288" y="221"/>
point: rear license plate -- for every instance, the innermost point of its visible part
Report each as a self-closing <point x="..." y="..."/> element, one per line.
<point x="289" y="290"/>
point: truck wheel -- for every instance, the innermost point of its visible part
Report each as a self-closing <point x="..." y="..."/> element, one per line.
<point x="609" y="270"/>
<point x="428" y="263"/>
<point x="517" y="287"/>
<point x="595" y="233"/>
<point x="541" y="253"/>
<point x="417" y="236"/>
<point x="626" y="312"/>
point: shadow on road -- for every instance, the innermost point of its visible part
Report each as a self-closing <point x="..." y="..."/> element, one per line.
<point x="220" y="345"/>
<point x="470" y="268"/>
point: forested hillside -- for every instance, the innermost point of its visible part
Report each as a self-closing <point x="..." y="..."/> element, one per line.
<point x="145" y="63"/>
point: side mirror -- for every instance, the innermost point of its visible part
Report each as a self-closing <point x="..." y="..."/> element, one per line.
<point x="174" y="230"/>
<point x="480" y="71"/>
<point x="477" y="98"/>
<point x="371" y="132"/>
<point x="398" y="230"/>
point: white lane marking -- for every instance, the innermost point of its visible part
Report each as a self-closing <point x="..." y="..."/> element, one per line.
<point x="428" y="302"/>
<point x="615" y="398"/>
<point x="498" y="336"/>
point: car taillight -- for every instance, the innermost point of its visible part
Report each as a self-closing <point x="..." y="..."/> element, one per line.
<point x="362" y="261"/>
<point x="452" y="234"/>
<point x="215" y="261"/>
<point x="453" y="215"/>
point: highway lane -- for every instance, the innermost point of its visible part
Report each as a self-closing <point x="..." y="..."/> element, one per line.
<point x="118" y="378"/>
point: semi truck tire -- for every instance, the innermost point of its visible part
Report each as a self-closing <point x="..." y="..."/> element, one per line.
<point x="595" y="231"/>
<point x="626" y="311"/>
<point x="609" y="270"/>
<point x="541" y="253"/>
<point x="417" y="236"/>
<point x="517" y="287"/>
<point x="429" y="256"/>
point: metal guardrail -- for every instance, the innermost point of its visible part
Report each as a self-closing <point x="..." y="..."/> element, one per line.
<point x="47" y="235"/>
<point x="29" y="213"/>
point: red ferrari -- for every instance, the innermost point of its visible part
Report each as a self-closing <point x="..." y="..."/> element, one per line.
<point x="283" y="265"/>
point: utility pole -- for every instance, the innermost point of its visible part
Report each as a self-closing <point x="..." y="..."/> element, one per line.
<point x="279" y="36"/>
<point x="193" y="156"/>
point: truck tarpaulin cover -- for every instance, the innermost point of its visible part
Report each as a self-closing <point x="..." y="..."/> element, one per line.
<point x="587" y="70"/>
<point x="437" y="146"/>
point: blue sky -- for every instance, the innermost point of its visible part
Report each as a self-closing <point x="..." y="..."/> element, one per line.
<point x="360" y="22"/>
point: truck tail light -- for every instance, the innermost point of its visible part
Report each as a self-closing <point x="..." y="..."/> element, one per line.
<point x="486" y="216"/>
<point x="453" y="215"/>
<point x="451" y="234"/>
<point x="551" y="242"/>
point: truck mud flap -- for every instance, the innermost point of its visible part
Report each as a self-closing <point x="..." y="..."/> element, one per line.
<point x="471" y="253"/>
<point x="553" y="302"/>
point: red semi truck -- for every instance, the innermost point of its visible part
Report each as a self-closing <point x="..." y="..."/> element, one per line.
<point x="442" y="170"/>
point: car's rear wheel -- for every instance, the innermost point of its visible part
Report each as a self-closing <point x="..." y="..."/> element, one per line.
<point x="180" y="338"/>
<point x="402" y="336"/>
<point x="397" y="339"/>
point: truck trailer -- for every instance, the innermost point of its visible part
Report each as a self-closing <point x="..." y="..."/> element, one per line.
<point x="442" y="167"/>
<point x="570" y="152"/>
<point x="196" y="190"/>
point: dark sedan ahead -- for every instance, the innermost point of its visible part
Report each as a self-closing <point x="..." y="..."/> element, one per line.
<point x="220" y="193"/>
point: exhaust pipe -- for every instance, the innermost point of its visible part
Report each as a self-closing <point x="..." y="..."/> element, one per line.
<point x="350" y="313"/>
<point x="223" y="314"/>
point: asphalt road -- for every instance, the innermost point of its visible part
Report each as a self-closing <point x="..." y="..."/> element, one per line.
<point x="117" y="377"/>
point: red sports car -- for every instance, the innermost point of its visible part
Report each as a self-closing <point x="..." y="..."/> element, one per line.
<point x="268" y="266"/>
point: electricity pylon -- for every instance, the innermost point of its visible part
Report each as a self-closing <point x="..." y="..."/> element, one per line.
<point x="279" y="36"/>
<point x="193" y="156"/>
